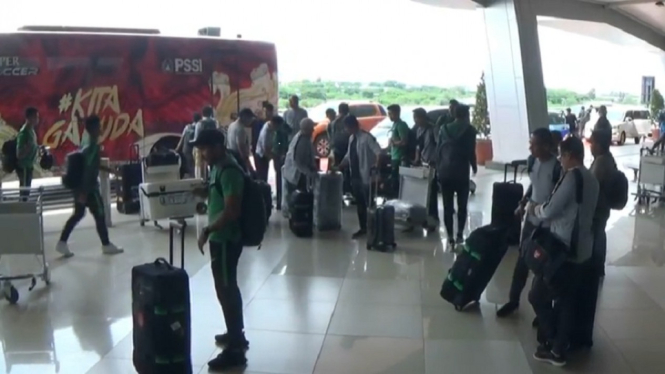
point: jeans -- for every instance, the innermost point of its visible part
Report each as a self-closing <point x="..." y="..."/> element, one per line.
<point x="24" y="180"/>
<point x="521" y="272"/>
<point x="262" y="167"/>
<point x="599" y="246"/>
<point x="224" y="264"/>
<point x="450" y="188"/>
<point x="346" y="173"/>
<point x="555" y="309"/>
<point x="361" y="195"/>
<point x="95" y="204"/>
<point x="433" y="205"/>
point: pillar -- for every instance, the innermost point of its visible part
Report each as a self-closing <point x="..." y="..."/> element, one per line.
<point x="516" y="96"/>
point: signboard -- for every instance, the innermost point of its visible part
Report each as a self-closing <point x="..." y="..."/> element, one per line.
<point x="648" y="84"/>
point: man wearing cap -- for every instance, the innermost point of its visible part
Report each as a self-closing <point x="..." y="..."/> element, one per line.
<point x="238" y="141"/>
<point x="224" y="193"/>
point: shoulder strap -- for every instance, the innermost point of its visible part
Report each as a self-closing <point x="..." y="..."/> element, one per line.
<point x="556" y="173"/>
<point x="216" y="183"/>
<point x="579" y="196"/>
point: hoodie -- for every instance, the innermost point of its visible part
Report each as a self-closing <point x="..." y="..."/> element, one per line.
<point x="456" y="150"/>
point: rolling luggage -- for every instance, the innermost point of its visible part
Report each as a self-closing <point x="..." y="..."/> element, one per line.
<point x="266" y="192"/>
<point x="408" y="213"/>
<point x="328" y="201"/>
<point x="506" y="197"/>
<point x="161" y="315"/>
<point x="301" y="220"/>
<point x="129" y="178"/>
<point x="474" y="267"/>
<point x="380" y="223"/>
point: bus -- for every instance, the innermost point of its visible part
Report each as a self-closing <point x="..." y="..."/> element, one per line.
<point x="144" y="86"/>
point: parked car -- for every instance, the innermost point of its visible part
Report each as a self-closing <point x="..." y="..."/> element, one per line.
<point x="627" y="122"/>
<point x="369" y="115"/>
<point x="381" y="132"/>
<point x="558" y="123"/>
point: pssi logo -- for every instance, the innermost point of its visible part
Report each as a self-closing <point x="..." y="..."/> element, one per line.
<point x="183" y="66"/>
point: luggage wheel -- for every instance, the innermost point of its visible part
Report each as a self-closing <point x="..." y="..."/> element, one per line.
<point x="157" y="225"/>
<point x="459" y="308"/>
<point x="10" y="292"/>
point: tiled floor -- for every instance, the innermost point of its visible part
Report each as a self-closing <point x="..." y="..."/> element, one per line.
<point x="327" y="306"/>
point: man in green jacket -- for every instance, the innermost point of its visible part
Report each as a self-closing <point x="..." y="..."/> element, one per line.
<point x="399" y="141"/>
<point x="27" y="150"/>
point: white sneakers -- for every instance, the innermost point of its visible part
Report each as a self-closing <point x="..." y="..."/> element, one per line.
<point x="109" y="249"/>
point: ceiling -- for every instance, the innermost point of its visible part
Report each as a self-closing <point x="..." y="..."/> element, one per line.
<point x="643" y="11"/>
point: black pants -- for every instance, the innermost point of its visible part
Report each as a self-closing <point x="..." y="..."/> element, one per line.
<point x="361" y="195"/>
<point x="450" y="188"/>
<point x="346" y="173"/>
<point x="433" y="208"/>
<point x="556" y="309"/>
<point x="521" y="272"/>
<point x="262" y="167"/>
<point x="599" y="246"/>
<point x="95" y="204"/>
<point x="277" y="164"/>
<point x="24" y="180"/>
<point x="224" y="264"/>
<point x="394" y="178"/>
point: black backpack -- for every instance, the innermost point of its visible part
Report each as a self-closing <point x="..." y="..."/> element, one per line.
<point x="449" y="153"/>
<point x="74" y="169"/>
<point x="9" y="159"/>
<point x="253" y="210"/>
<point x="616" y="195"/>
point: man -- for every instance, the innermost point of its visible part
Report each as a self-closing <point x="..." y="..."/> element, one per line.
<point x="330" y="114"/>
<point x="449" y="117"/>
<point x="456" y="155"/>
<point x="185" y="148"/>
<point x="339" y="137"/>
<point x="280" y="146"/>
<point x="264" y="145"/>
<point x="27" y="150"/>
<point x="603" y="167"/>
<point x="399" y="141"/>
<point x="426" y="153"/>
<point x="88" y="194"/>
<point x="208" y="122"/>
<point x="544" y="172"/>
<point x="300" y="162"/>
<point x="294" y="115"/>
<point x="603" y="124"/>
<point x="361" y="157"/>
<point x="224" y="194"/>
<point x="571" y="121"/>
<point x="238" y="142"/>
<point x="571" y="221"/>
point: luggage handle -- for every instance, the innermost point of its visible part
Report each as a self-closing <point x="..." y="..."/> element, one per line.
<point x="173" y="226"/>
<point x="162" y="261"/>
<point x="514" y="164"/>
<point x="374" y="181"/>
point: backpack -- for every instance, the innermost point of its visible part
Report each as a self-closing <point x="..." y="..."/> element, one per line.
<point x="617" y="195"/>
<point x="74" y="169"/>
<point x="9" y="157"/>
<point x="253" y="210"/>
<point x="208" y="124"/>
<point x="556" y="173"/>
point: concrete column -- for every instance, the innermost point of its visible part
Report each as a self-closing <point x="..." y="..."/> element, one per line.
<point x="105" y="191"/>
<point x="516" y="95"/>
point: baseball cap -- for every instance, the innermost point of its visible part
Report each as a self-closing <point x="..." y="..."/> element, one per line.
<point x="208" y="138"/>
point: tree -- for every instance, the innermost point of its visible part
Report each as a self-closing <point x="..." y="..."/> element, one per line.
<point x="657" y="103"/>
<point x="480" y="112"/>
<point x="592" y="94"/>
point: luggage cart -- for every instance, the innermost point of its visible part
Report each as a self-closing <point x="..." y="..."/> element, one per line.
<point x="651" y="177"/>
<point x="22" y="232"/>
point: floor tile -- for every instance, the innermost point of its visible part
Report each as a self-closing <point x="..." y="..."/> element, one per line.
<point x="300" y="288"/>
<point x="370" y="355"/>
<point x="475" y="356"/>
<point x="289" y="315"/>
<point x="374" y="291"/>
<point x="396" y="321"/>
<point x="475" y="324"/>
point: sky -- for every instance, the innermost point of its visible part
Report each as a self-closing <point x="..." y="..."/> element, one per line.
<point x="358" y="40"/>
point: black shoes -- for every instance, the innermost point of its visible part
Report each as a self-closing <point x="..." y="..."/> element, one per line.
<point x="359" y="234"/>
<point x="229" y="358"/>
<point x="224" y="340"/>
<point x="507" y="309"/>
<point x="544" y="354"/>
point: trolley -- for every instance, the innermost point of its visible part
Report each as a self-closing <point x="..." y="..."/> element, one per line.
<point x="650" y="177"/>
<point x="22" y="232"/>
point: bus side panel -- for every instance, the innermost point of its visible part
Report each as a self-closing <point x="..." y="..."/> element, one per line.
<point x="244" y="78"/>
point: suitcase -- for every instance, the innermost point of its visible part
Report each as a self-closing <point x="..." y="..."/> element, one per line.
<point x="474" y="267"/>
<point x="162" y="159"/>
<point x="506" y="197"/>
<point x="127" y="196"/>
<point x="301" y="220"/>
<point x="380" y="223"/>
<point x="161" y="315"/>
<point x="328" y="201"/>
<point x="266" y="191"/>
<point x="410" y="214"/>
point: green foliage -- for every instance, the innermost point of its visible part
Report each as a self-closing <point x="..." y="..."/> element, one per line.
<point x="480" y="113"/>
<point x="657" y="103"/>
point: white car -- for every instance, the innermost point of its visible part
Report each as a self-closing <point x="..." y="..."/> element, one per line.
<point x="626" y="123"/>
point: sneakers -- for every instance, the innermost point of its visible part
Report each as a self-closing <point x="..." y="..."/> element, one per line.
<point x="228" y="359"/>
<point x="507" y="309"/>
<point x="359" y="234"/>
<point x="545" y="355"/>
<point x="459" y="244"/>
<point x="63" y="249"/>
<point x="224" y="340"/>
<point x="111" y="249"/>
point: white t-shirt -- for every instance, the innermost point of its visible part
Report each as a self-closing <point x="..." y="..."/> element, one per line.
<point x="237" y="138"/>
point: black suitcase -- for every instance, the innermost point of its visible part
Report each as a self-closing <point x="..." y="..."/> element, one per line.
<point x="506" y="197"/>
<point x="301" y="220"/>
<point x="380" y="223"/>
<point x="127" y="195"/>
<point x="267" y="197"/>
<point x="161" y="315"/>
<point x="474" y="267"/>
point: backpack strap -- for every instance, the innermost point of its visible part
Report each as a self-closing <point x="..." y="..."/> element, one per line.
<point x="216" y="183"/>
